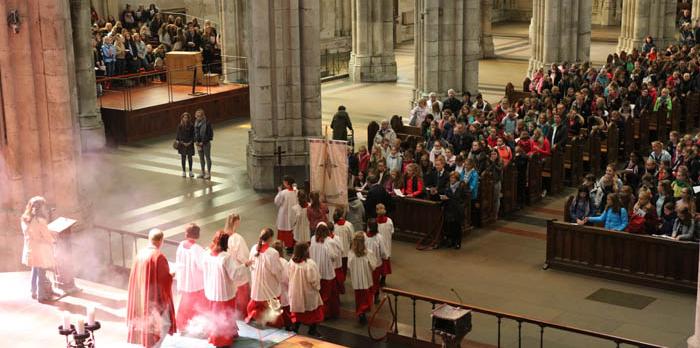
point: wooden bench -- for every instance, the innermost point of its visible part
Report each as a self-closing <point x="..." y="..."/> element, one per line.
<point x="509" y="189"/>
<point x="421" y="220"/>
<point x="553" y="168"/>
<point x="573" y="164"/>
<point x="534" y="179"/>
<point x="486" y="198"/>
<point x="633" y="258"/>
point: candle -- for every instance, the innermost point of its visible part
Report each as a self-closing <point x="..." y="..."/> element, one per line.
<point x="66" y="320"/>
<point x="80" y="327"/>
<point x="91" y="315"/>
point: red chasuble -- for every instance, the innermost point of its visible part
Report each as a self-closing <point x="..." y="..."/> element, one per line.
<point x="150" y="298"/>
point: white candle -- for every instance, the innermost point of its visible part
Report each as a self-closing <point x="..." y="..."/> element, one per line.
<point x="91" y="315"/>
<point x="80" y="327"/>
<point x="66" y="320"/>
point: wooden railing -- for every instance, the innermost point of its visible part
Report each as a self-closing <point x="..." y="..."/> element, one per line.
<point x="127" y="245"/>
<point x="641" y="259"/>
<point x="500" y="316"/>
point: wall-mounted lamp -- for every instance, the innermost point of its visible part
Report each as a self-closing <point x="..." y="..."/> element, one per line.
<point x="13" y="20"/>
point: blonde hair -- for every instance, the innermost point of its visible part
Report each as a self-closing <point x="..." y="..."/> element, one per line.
<point x="231" y="221"/>
<point x="155" y="235"/>
<point x="358" y="244"/>
<point x="33" y="209"/>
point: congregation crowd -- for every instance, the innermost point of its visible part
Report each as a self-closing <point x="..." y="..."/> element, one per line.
<point x="140" y="37"/>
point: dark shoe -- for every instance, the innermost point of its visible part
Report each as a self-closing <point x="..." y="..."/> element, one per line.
<point x="363" y="319"/>
<point x="313" y="332"/>
<point x="295" y="328"/>
<point x="376" y="299"/>
<point x="382" y="281"/>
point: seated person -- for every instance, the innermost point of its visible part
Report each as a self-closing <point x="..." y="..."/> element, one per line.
<point x="684" y="226"/>
<point x="581" y="207"/>
<point x="614" y="216"/>
<point x="667" y="219"/>
<point x="413" y="184"/>
<point x="643" y="219"/>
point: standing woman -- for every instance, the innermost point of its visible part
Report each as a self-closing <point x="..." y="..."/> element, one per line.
<point x="267" y="276"/>
<point x="185" y="142"/>
<point x="38" y="247"/>
<point x="325" y="253"/>
<point x="203" y="135"/>
<point x="305" y="301"/>
<point x="238" y="249"/>
<point x="455" y="197"/>
<point x="317" y="211"/>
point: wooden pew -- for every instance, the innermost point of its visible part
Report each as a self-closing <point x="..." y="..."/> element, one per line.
<point x="509" y="189"/>
<point x="417" y="219"/>
<point x="591" y="151"/>
<point x="642" y="132"/>
<point x="553" y="168"/>
<point x="677" y="115"/>
<point x="573" y="164"/>
<point x="611" y="145"/>
<point x="640" y="259"/>
<point x="692" y="111"/>
<point x="486" y="198"/>
<point x="567" y="206"/>
<point x="534" y="179"/>
<point x="514" y="96"/>
<point x="409" y="135"/>
<point x="629" y="140"/>
<point x="372" y="129"/>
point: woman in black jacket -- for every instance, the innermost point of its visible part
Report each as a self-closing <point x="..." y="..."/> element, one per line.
<point x="455" y="196"/>
<point x="185" y="142"/>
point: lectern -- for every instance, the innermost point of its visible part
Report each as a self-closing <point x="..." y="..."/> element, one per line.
<point x="452" y="324"/>
<point x="65" y="279"/>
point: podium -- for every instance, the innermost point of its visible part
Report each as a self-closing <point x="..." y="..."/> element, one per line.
<point x="180" y="66"/>
<point x="452" y="324"/>
<point x="65" y="278"/>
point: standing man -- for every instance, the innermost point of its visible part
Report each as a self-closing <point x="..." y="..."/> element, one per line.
<point x="452" y="102"/>
<point x="150" y="314"/>
<point x="340" y="124"/>
<point x="203" y="135"/>
<point x="558" y="134"/>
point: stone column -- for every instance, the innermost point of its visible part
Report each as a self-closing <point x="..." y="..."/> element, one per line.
<point x="647" y="17"/>
<point x="233" y="35"/>
<point x="695" y="11"/>
<point x="487" y="49"/>
<point x="37" y="109"/>
<point x="559" y="31"/>
<point x="372" y="58"/>
<point x="92" y="133"/>
<point x="285" y="87"/>
<point x="447" y="46"/>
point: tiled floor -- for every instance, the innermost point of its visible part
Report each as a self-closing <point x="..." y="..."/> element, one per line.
<point x="139" y="187"/>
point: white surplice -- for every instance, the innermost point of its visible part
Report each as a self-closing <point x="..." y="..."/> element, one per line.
<point x="386" y="230"/>
<point x="188" y="271"/>
<point x="266" y="274"/>
<point x="361" y="268"/>
<point x="325" y="255"/>
<point x="376" y="245"/>
<point x="238" y="248"/>
<point x="284" y="283"/>
<point x="301" y="224"/>
<point x="304" y="286"/>
<point x="344" y="234"/>
<point x="285" y="200"/>
<point x="221" y="272"/>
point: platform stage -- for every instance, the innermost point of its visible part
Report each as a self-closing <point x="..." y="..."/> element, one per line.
<point x="138" y="113"/>
<point x="28" y="323"/>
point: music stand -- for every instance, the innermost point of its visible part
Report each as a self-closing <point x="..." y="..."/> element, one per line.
<point x="65" y="279"/>
<point x="194" y="83"/>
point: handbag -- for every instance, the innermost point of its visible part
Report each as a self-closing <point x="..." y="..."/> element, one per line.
<point x="176" y="144"/>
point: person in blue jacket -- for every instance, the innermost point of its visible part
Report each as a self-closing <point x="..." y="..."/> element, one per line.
<point x="471" y="177"/>
<point x="614" y="217"/>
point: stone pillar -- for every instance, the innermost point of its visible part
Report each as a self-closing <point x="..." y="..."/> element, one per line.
<point x="447" y="46"/>
<point x="285" y="87"/>
<point x="559" y="31"/>
<point x="487" y="49"/>
<point x="647" y="17"/>
<point x="695" y="11"/>
<point x="372" y="58"/>
<point x="92" y="133"/>
<point x="233" y="35"/>
<point x="41" y="148"/>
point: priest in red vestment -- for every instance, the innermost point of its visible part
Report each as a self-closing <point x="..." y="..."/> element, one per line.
<point x="150" y="312"/>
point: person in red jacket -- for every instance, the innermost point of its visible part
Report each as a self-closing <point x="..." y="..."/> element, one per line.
<point x="540" y="144"/>
<point x="413" y="184"/>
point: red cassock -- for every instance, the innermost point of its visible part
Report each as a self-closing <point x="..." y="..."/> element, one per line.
<point x="150" y="298"/>
<point x="386" y="266"/>
<point x="376" y="275"/>
<point x="331" y="299"/>
<point x="191" y="305"/>
<point x="363" y="301"/>
<point x="242" y="298"/>
<point x="340" y="279"/>
<point x="287" y="237"/>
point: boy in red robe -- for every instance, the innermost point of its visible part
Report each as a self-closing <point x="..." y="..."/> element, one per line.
<point x="150" y="312"/>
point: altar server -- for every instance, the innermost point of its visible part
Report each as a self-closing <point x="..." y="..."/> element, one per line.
<point x="285" y="200"/>
<point x="375" y="243"/>
<point x="238" y="249"/>
<point x="301" y="228"/>
<point x="343" y="231"/>
<point x="385" y="226"/>
<point x="190" y="284"/>
<point x="324" y="251"/>
<point x="284" y="285"/>
<point x="266" y="278"/>
<point x="361" y="264"/>
<point x="305" y="301"/>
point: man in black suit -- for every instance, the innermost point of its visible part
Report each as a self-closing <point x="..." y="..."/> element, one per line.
<point x="558" y="134"/>
<point x="375" y="195"/>
<point x="437" y="181"/>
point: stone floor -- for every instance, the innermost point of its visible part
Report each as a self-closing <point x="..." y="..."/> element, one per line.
<point x="138" y="187"/>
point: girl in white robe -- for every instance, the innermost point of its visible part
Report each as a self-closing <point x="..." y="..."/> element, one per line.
<point x="342" y="231"/>
<point x="285" y="200"/>
<point x="284" y="284"/>
<point x="238" y="248"/>
<point x="375" y="243"/>
<point x="301" y="220"/>
<point x="305" y="301"/>
<point x="385" y="226"/>
<point x="324" y="251"/>
<point x="266" y="278"/>
<point x="190" y="281"/>
<point x="220" y="273"/>
<point x="361" y="264"/>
